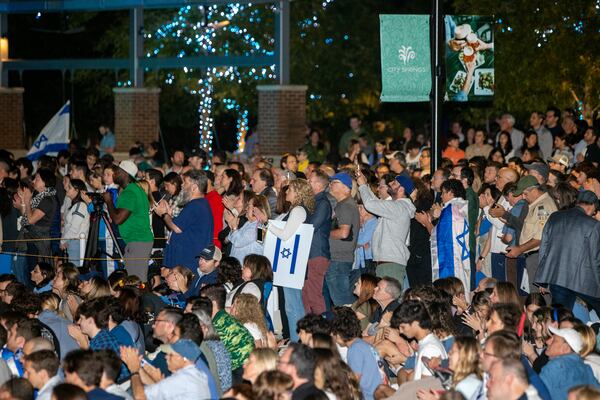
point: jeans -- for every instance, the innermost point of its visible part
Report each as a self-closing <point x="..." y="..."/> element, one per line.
<point x="566" y="297"/>
<point x="499" y="267"/>
<point x="74" y="250"/>
<point x="22" y="271"/>
<point x="338" y="283"/>
<point x="294" y="310"/>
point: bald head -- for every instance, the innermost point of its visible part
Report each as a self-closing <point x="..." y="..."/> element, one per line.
<point x="506" y="175"/>
<point x="37" y="344"/>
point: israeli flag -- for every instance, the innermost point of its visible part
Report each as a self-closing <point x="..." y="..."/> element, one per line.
<point x="289" y="258"/>
<point x="54" y="137"/>
<point x="450" y="255"/>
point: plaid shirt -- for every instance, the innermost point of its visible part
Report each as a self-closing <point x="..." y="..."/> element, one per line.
<point x="105" y="340"/>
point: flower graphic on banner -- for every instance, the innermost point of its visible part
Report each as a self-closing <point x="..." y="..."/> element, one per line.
<point x="406" y="54"/>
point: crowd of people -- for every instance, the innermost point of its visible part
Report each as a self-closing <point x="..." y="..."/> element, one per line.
<point x="478" y="279"/>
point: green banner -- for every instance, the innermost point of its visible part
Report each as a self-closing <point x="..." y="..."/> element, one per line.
<point x="405" y="58"/>
<point x="469" y="58"/>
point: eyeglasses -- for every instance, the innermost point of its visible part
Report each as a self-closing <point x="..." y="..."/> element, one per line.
<point x="488" y="354"/>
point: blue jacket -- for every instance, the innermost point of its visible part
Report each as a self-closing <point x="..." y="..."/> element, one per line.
<point x="321" y="221"/>
<point x="564" y="372"/>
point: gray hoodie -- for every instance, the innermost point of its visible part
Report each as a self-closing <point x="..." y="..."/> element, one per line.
<point x="391" y="236"/>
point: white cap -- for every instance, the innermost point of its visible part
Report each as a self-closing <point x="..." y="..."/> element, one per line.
<point x="129" y="167"/>
<point x="571" y="336"/>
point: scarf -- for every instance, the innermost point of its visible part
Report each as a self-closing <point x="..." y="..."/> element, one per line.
<point x="37" y="199"/>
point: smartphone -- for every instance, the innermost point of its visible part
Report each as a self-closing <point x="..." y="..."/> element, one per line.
<point x="260" y="233"/>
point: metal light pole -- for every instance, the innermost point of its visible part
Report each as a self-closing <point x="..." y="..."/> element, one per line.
<point x="437" y="15"/>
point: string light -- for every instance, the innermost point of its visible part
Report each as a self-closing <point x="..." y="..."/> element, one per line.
<point x="220" y="30"/>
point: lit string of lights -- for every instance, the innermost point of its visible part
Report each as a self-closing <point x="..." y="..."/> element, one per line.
<point x="202" y="30"/>
<point x="219" y="30"/>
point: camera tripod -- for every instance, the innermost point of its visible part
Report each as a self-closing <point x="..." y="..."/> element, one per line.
<point x="93" y="248"/>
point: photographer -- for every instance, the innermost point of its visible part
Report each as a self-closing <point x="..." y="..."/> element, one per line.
<point x="131" y="214"/>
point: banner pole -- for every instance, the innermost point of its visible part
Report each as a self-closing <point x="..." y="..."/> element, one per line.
<point x="436" y="100"/>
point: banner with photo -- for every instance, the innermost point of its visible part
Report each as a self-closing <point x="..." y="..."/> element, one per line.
<point x="405" y="58"/>
<point x="469" y="58"/>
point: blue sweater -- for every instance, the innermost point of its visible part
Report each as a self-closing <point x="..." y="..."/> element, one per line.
<point x="564" y="372"/>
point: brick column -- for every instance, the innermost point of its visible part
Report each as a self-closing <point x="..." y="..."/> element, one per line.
<point x="281" y="118"/>
<point x="136" y="116"/>
<point x="11" y="118"/>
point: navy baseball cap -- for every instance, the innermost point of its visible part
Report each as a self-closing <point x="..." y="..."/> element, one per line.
<point x="406" y="183"/>
<point x="211" y="253"/>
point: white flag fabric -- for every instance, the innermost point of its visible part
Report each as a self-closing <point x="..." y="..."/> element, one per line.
<point x="450" y="244"/>
<point x="54" y="137"/>
<point x="289" y="258"/>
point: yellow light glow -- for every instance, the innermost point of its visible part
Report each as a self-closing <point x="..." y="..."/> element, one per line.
<point x="3" y="48"/>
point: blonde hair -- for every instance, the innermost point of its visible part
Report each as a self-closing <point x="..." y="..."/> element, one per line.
<point x="468" y="359"/>
<point x="100" y="288"/>
<point x="266" y="359"/>
<point x="588" y="338"/>
<point x="248" y="310"/>
<point x="50" y="301"/>
<point x="304" y="195"/>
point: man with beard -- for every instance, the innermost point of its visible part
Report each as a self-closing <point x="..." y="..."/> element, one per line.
<point x="193" y="227"/>
<point x="131" y="214"/>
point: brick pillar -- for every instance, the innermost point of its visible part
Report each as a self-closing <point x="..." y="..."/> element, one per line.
<point x="136" y="116"/>
<point x="11" y="118"/>
<point x="281" y="118"/>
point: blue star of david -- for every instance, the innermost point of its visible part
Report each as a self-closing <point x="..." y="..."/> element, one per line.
<point x="461" y="241"/>
<point x="39" y="142"/>
<point x="286" y="253"/>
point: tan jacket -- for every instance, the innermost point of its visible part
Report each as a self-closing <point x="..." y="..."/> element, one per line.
<point x="536" y="219"/>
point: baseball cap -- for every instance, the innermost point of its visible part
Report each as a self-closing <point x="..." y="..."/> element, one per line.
<point x="186" y="348"/>
<point x="561" y="159"/>
<point x="539" y="167"/>
<point x="342" y="177"/>
<point x="211" y="252"/>
<point x="129" y="167"/>
<point x="406" y="183"/>
<point x="570" y="335"/>
<point x="88" y="275"/>
<point x="197" y="153"/>
<point x="398" y="155"/>
<point x="524" y="183"/>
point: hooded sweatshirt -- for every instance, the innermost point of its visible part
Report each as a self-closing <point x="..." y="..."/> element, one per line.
<point x="391" y="237"/>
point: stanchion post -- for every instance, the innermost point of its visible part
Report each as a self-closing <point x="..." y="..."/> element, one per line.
<point x="82" y="243"/>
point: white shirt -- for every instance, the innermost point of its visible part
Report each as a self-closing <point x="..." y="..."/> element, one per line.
<point x="185" y="384"/>
<point x="430" y="346"/>
<point x="497" y="246"/>
<point x="45" y="392"/>
<point x="469" y="387"/>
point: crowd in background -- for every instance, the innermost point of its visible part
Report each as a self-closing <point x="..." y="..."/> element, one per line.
<point x="478" y="279"/>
